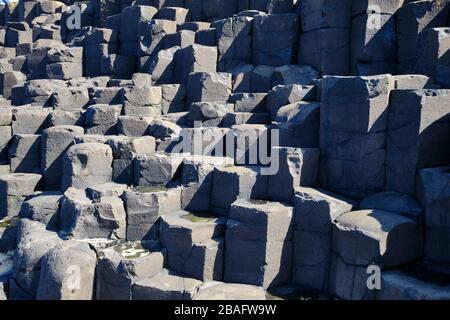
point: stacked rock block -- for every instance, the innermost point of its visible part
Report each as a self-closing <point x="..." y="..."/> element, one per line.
<point x="98" y="44"/>
<point x="370" y="237"/>
<point x="234" y="42"/>
<point x="415" y="118"/>
<point x="314" y="215"/>
<point x="237" y="149"/>
<point x="325" y="39"/>
<point x="414" y="18"/>
<point x="433" y="58"/>
<point x="259" y="243"/>
<point x="275" y="39"/>
<point x="433" y="194"/>
<point x="6" y="131"/>
<point x="373" y="38"/>
<point x="353" y="126"/>
<point x="154" y="37"/>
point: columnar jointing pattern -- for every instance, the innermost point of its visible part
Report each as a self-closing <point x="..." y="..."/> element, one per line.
<point x="225" y="149"/>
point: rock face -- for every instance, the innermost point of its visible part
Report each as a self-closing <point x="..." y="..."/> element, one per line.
<point x="229" y="291"/>
<point x="370" y="237"/>
<point x="353" y="125"/>
<point x="14" y="188"/>
<point x="81" y="217"/>
<point x="33" y="243"/>
<point x="194" y="244"/>
<point x="165" y="286"/>
<point x="409" y="146"/>
<point x="144" y="206"/>
<point x="433" y="194"/>
<point x="86" y="164"/>
<point x="315" y="211"/>
<point x="67" y="272"/>
<point x="55" y="142"/>
<point x="121" y="266"/>
<point x="224" y="149"/>
<point x="259" y="238"/>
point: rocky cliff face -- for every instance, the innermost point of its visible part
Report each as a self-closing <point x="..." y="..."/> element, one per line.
<point x="224" y="149"/>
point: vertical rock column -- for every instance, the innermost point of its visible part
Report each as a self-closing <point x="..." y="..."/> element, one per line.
<point x="234" y="42"/>
<point x="259" y="243"/>
<point x="434" y="55"/>
<point x="325" y="38"/>
<point x="353" y="127"/>
<point x="373" y="47"/>
<point x="275" y="39"/>
<point x="55" y="141"/>
<point x="412" y="19"/>
<point x="418" y="135"/>
<point x="433" y="191"/>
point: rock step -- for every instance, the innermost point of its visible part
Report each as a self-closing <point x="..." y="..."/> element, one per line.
<point x="418" y="282"/>
<point x="194" y="243"/>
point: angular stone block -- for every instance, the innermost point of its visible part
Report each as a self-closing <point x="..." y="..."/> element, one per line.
<point x="325" y="14"/>
<point x="55" y="142"/>
<point x="195" y="58"/>
<point x="397" y="285"/>
<point x="119" y="65"/>
<point x="33" y="243"/>
<point x="61" y="263"/>
<point x="297" y="167"/>
<point x="215" y="290"/>
<point x="208" y="87"/>
<point x="122" y="265"/>
<point x="327" y="50"/>
<point x="153" y="33"/>
<point x="381" y="237"/>
<point x="281" y="96"/>
<point x="234" y="41"/>
<point x="394" y="202"/>
<point x="209" y="113"/>
<point x="353" y="124"/>
<point x="194" y="244"/>
<point x="259" y="244"/>
<point x="418" y="128"/>
<point x="30" y="120"/>
<point x="275" y="39"/>
<point x="173" y="98"/>
<point x="102" y="119"/>
<point x="14" y="188"/>
<point x="130" y="21"/>
<point x="412" y="19"/>
<point x="249" y="102"/>
<point x="231" y="183"/>
<point x="43" y="208"/>
<point x="144" y="206"/>
<point x="81" y="218"/>
<point x="314" y="214"/>
<point x="70" y="98"/>
<point x="165" y="286"/>
<point x="373" y="47"/>
<point x="66" y="118"/>
<point x="433" y="59"/>
<point x="156" y="169"/>
<point x="64" y="70"/>
<point x="133" y="126"/>
<point x="295" y="74"/>
<point x="86" y="164"/>
<point x="433" y="193"/>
